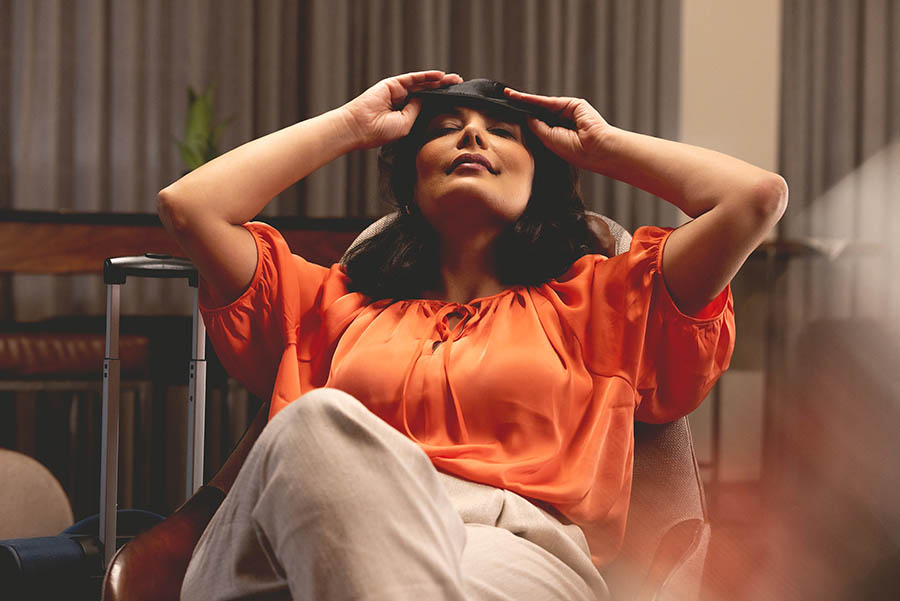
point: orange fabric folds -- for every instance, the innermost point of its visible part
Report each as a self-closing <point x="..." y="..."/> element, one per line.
<point x="534" y="389"/>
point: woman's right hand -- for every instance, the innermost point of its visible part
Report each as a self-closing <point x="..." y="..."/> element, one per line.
<point x="375" y="117"/>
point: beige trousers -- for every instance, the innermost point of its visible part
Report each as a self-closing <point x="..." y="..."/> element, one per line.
<point x="333" y="504"/>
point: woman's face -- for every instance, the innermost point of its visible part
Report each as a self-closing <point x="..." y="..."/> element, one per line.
<point x="473" y="168"/>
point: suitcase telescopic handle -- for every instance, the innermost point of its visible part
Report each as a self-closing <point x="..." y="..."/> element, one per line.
<point x="115" y="271"/>
<point x="150" y="265"/>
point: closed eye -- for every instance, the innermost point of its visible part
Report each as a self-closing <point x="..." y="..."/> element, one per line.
<point x="441" y="131"/>
<point x="503" y="132"/>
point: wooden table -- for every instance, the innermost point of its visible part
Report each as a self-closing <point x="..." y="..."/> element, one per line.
<point x="64" y="242"/>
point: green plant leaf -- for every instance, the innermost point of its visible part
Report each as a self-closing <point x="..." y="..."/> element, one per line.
<point x="192" y="159"/>
<point x="201" y="135"/>
<point x="199" y="122"/>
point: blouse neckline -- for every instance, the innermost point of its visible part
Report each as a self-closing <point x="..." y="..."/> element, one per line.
<point x="474" y="301"/>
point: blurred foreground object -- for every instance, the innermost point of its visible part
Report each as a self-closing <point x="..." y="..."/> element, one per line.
<point x="840" y="489"/>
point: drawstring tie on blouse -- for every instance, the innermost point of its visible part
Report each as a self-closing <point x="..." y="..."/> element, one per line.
<point x="446" y="337"/>
<point x="449" y="336"/>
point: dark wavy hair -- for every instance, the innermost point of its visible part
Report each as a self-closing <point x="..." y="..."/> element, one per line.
<point x="402" y="261"/>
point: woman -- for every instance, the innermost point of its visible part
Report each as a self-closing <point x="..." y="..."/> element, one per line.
<point x="478" y="445"/>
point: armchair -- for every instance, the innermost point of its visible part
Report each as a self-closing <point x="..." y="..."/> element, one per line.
<point x="665" y="541"/>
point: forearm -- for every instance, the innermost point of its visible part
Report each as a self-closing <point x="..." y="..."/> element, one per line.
<point x="734" y="204"/>
<point x="236" y="186"/>
<point x="204" y="210"/>
<point x="692" y="178"/>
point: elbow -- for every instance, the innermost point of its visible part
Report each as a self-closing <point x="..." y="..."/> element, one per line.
<point x="770" y="198"/>
<point x="171" y="210"/>
<point x="762" y="202"/>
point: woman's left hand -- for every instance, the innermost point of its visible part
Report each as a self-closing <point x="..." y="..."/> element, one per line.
<point x="584" y="146"/>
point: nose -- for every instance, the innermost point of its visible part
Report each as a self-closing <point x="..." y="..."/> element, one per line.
<point x="472" y="133"/>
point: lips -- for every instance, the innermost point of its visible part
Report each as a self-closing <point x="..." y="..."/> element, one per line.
<point x="471" y="158"/>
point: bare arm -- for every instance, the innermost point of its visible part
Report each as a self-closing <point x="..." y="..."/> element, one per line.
<point x="204" y="210"/>
<point x="734" y="204"/>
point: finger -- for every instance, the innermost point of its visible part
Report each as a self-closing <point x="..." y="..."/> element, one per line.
<point x="547" y="101"/>
<point x="538" y="98"/>
<point x="451" y="78"/>
<point x="558" y="140"/>
<point x="561" y="105"/>
<point x="443" y="81"/>
<point x="424" y="80"/>
<point x="430" y="85"/>
<point x="540" y="129"/>
<point x="397" y="91"/>
<point x="411" y="110"/>
<point x="409" y="79"/>
<point x="401" y="85"/>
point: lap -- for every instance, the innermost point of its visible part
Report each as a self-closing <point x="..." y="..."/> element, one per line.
<point x="496" y="545"/>
<point x="497" y="565"/>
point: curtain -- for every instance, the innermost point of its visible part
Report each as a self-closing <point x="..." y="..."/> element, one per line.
<point x="832" y="354"/>
<point x="96" y="96"/>
<point x="840" y="153"/>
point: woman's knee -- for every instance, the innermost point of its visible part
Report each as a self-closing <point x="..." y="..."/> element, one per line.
<point x="305" y="421"/>
<point x="311" y="407"/>
<point x="332" y="429"/>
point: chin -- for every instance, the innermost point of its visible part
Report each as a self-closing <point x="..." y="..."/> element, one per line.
<point x="470" y="200"/>
<point x="470" y="213"/>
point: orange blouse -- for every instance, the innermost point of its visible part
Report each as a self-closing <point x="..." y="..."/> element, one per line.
<point x="534" y="390"/>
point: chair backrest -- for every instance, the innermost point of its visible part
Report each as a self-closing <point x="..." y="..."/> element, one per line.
<point x="610" y="238"/>
<point x="32" y="501"/>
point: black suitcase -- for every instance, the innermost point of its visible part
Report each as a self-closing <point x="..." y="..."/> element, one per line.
<point x="72" y="564"/>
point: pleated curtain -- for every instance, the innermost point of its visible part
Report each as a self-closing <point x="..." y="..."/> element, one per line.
<point x="840" y="153"/>
<point x="95" y="96"/>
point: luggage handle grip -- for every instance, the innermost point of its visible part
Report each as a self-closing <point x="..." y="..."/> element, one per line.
<point x="150" y="265"/>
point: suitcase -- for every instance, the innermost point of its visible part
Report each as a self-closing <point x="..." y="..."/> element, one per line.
<point x="72" y="564"/>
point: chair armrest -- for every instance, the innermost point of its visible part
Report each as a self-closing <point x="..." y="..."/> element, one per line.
<point x="676" y="548"/>
<point x="226" y="475"/>
<point x="153" y="564"/>
<point x="151" y="567"/>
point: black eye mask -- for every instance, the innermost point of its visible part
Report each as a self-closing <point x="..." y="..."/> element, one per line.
<point x="489" y="94"/>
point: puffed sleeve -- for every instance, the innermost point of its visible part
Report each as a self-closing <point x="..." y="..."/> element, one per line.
<point x="251" y="333"/>
<point x="629" y="327"/>
<point x="683" y="355"/>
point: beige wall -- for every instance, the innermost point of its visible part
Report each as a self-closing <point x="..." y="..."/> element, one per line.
<point x="730" y="77"/>
<point x="729" y="101"/>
